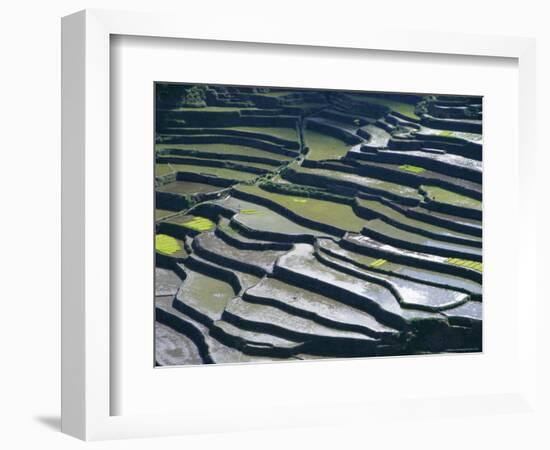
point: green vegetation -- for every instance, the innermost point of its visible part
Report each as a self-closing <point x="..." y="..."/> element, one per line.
<point x="446" y="133"/>
<point x="222" y="163"/>
<point x="288" y="134"/>
<point x="199" y="224"/>
<point x="444" y="196"/>
<point x="249" y="211"/>
<point x="163" y="169"/>
<point x="466" y="263"/>
<point x="219" y="172"/>
<point x="378" y="263"/>
<point x="257" y="165"/>
<point x="303" y="191"/>
<point x="335" y="214"/>
<point x="225" y="149"/>
<point x="214" y="108"/>
<point x="188" y="187"/>
<point x="403" y="270"/>
<point x="194" y="97"/>
<point x="413" y="169"/>
<point x="264" y="219"/>
<point x="406" y="109"/>
<point x="322" y="146"/>
<point x="166" y="244"/>
<point x="180" y="95"/>
<point x="162" y="213"/>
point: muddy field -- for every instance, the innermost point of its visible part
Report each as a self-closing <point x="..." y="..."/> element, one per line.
<point x="300" y="224"/>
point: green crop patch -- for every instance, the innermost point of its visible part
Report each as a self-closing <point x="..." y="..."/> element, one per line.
<point x="299" y="200"/>
<point x="378" y="263"/>
<point x="249" y="211"/>
<point x="166" y="244"/>
<point x="199" y="224"/>
<point x="475" y="265"/>
<point x="413" y="169"/>
<point x="446" y="133"/>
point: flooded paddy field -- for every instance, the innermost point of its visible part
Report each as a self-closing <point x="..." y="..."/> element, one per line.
<point x="187" y="187"/>
<point x="322" y="146"/>
<point x="218" y="172"/>
<point x="198" y="149"/>
<point x="300" y="224"/>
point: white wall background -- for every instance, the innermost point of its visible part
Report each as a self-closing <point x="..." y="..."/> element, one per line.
<point x="30" y="236"/>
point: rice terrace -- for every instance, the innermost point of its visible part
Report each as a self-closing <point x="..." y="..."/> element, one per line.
<point x="300" y="224"/>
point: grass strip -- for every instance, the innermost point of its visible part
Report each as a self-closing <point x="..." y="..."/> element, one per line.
<point x="466" y="263"/>
<point x="413" y="169"/>
<point x="378" y="263"/>
<point x="166" y="245"/>
<point x="199" y="224"/>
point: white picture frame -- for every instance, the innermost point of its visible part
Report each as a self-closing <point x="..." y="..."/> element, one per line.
<point x="86" y="248"/>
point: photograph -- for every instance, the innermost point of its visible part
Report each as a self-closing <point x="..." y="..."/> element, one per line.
<point x="301" y="223"/>
<point x="268" y="227"/>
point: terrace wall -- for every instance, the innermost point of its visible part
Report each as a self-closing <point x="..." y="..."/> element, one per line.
<point x="406" y="259"/>
<point x="335" y="132"/>
<point x="201" y="119"/>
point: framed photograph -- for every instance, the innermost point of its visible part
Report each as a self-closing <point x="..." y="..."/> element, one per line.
<point x="277" y="223"/>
